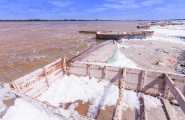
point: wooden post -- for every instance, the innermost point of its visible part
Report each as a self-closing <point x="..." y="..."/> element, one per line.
<point x="166" y="91"/>
<point x="105" y="73"/>
<point x="118" y="111"/>
<point x="89" y="68"/>
<point x="176" y="92"/>
<point x="143" y="79"/>
<point x="64" y="65"/>
<point x="143" y="114"/>
<point x="45" y="71"/>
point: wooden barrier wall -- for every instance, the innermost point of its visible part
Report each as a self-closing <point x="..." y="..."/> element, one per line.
<point x="153" y="83"/>
<point x="36" y="82"/>
<point x="148" y="82"/>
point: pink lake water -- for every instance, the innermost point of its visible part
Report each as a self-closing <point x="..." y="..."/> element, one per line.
<point x="27" y="46"/>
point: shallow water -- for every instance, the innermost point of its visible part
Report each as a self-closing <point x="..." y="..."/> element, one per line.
<point x="27" y="46"/>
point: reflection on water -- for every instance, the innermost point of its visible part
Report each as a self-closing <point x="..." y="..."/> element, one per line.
<point x="27" y="46"/>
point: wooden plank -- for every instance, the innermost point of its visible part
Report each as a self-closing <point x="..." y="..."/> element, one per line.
<point x="129" y="114"/>
<point x="97" y="71"/>
<point x="91" y="32"/>
<point x="179" y="113"/>
<point x="118" y="111"/>
<point x="154" y="83"/>
<point x="143" y="114"/>
<point x="79" y="71"/>
<point x="169" y="110"/>
<point x="157" y="113"/>
<point x="176" y="92"/>
<point x="33" y="83"/>
<point x="179" y="80"/>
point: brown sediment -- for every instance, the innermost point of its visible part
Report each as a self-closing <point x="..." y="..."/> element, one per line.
<point x="82" y="109"/>
<point x="106" y="114"/>
<point x="8" y="103"/>
<point x="67" y="105"/>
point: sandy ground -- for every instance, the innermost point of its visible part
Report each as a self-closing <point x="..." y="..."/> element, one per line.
<point x="146" y="54"/>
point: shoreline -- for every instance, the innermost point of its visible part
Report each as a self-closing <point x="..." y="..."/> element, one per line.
<point x="146" y="54"/>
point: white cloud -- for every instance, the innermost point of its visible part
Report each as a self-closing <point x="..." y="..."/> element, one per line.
<point x="130" y="4"/>
<point x="61" y="4"/>
<point x="169" y="8"/>
<point x="151" y="2"/>
<point x="122" y="4"/>
<point x="98" y="9"/>
<point x="114" y="6"/>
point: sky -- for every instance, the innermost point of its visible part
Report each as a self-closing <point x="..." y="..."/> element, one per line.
<point x="92" y="9"/>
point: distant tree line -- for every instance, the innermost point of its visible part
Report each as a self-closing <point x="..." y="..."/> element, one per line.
<point x="82" y="20"/>
<point x="59" y="20"/>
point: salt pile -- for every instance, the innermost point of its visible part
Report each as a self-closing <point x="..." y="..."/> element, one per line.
<point x="101" y="94"/>
<point x="72" y="88"/>
<point x="169" y="33"/>
<point x="131" y="100"/>
<point x="121" y="57"/>
<point x="23" y="110"/>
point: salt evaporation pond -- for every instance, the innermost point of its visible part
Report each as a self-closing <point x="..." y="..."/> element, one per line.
<point x="72" y="88"/>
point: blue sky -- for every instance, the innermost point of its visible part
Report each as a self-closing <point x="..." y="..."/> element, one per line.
<point x="92" y="9"/>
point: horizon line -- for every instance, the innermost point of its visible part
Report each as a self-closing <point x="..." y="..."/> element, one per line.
<point x="81" y="20"/>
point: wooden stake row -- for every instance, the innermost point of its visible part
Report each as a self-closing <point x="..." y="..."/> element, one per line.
<point x="118" y="113"/>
